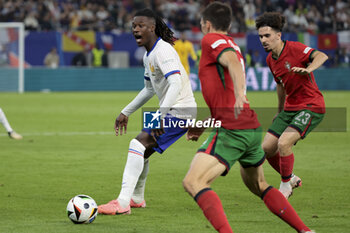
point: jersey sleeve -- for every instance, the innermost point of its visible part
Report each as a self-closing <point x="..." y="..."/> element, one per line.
<point x="167" y="62"/>
<point x="302" y="52"/>
<point x="146" y="74"/>
<point x="215" y="45"/>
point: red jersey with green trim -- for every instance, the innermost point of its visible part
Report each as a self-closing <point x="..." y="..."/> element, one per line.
<point x="217" y="85"/>
<point x="301" y="90"/>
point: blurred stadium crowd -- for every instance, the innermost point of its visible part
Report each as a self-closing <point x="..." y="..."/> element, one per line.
<point x="314" y="16"/>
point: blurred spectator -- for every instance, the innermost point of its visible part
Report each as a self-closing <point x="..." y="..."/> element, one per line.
<point x="343" y="57"/>
<point x="105" y="60"/>
<point x="75" y="20"/>
<point x="269" y="6"/>
<point x="250" y="23"/>
<point x="110" y="15"/>
<point x="45" y="22"/>
<point x="97" y="54"/>
<point x="248" y="59"/>
<point x="326" y="16"/>
<point x="52" y="59"/>
<point x="249" y="10"/>
<point x="30" y="22"/>
<point x="289" y="13"/>
<point x="81" y="58"/>
<point x="257" y="59"/>
<point x="185" y="49"/>
<point x="342" y="19"/>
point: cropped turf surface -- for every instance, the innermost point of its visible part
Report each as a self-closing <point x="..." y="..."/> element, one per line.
<point x="69" y="148"/>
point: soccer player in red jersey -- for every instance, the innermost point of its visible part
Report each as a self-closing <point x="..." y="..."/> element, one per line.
<point x="222" y="76"/>
<point x="301" y="105"/>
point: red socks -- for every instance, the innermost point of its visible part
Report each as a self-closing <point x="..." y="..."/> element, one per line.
<point x="278" y="204"/>
<point x="274" y="161"/>
<point x="287" y="163"/>
<point x="212" y="208"/>
<point x="283" y="165"/>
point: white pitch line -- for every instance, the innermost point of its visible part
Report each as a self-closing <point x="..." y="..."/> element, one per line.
<point x="66" y="133"/>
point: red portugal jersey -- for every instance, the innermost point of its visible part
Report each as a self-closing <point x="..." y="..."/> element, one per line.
<point x="301" y="90"/>
<point x="217" y="85"/>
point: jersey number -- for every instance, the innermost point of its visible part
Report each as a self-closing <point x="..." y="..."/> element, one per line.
<point x="303" y="117"/>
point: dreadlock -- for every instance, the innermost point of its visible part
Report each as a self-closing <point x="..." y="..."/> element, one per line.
<point x="162" y="30"/>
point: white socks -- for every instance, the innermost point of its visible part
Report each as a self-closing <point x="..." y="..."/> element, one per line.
<point x="132" y="171"/>
<point x="139" y="192"/>
<point x="4" y="121"/>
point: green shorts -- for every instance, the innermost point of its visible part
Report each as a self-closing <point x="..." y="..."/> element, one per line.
<point x="304" y="121"/>
<point x="228" y="146"/>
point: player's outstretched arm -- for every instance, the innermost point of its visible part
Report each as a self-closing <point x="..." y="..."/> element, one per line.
<point x="121" y="124"/>
<point x="144" y="95"/>
<point x="318" y="58"/>
<point x="122" y="120"/>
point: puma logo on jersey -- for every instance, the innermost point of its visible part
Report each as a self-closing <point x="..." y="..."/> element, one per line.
<point x="306" y="50"/>
<point x="217" y="43"/>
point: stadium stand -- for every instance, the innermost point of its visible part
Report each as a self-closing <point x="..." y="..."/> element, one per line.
<point x="314" y="17"/>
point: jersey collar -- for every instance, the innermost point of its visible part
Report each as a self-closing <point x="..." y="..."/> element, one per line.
<point x="153" y="46"/>
<point x="285" y="43"/>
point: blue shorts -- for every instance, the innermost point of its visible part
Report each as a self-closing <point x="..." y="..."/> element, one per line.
<point x="169" y="136"/>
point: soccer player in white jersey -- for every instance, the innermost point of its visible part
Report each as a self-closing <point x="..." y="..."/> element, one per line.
<point x="166" y="77"/>
<point x="12" y="134"/>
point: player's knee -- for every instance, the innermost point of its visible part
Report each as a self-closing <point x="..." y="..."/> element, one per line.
<point x="259" y="187"/>
<point x="146" y="140"/>
<point x="283" y="145"/>
<point x="265" y="147"/>
<point x="189" y="185"/>
<point x="263" y="185"/>
<point x="268" y="149"/>
<point x="186" y="183"/>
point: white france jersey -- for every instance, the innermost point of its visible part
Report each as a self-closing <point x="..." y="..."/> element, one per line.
<point x="161" y="62"/>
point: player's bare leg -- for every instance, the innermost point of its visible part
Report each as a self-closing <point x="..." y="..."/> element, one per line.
<point x="270" y="147"/>
<point x="254" y="179"/>
<point x="203" y="171"/>
<point x="285" y="143"/>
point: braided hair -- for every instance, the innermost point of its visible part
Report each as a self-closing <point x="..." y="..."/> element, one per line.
<point x="162" y="30"/>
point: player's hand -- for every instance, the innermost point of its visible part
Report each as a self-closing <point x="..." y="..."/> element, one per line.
<point x="121" y="124"/>
<point x="300" y="70"/>
<point x="194" y="133"/>
<point x="239" y="104"/>
<point x="157" y="132"/>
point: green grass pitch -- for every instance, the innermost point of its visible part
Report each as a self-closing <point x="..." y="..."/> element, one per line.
<point x="69" y="148"/>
